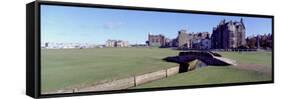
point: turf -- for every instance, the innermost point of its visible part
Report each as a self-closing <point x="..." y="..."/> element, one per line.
<point x="71" y="68"/>
<point x="208" y="75"/>
<point x="218" y="74"/>
<point x="262" y="58"/>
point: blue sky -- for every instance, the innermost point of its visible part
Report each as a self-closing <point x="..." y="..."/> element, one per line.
<point x="94" y="25"/>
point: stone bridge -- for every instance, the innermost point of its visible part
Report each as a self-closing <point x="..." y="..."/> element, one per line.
<point x="205" y="57"/>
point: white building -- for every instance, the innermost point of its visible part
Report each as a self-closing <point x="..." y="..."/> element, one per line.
<point x="51" y="45"/>
<point x="116" y="43"/>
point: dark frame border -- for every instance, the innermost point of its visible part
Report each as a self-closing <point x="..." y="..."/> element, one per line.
<point x="36" y="88"/>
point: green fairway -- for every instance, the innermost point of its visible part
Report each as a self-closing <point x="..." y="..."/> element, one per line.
<point x="262" y="58"/>
<point x="74" y="68"/>
<point x="220" y="75"/>
<point x="71" y="68"/>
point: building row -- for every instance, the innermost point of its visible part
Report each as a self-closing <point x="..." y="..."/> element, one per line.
<point x="226" y="35"/>
<point x="260" y="41"/>
<point x="51" y="45"/>
<point x="184" y="40"/>
<point x="109" y="43"/>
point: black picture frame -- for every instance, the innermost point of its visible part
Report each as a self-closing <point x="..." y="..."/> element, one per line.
<point x="33" y="73"/>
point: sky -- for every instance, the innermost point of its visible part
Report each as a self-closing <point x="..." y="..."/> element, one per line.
<point x="65" y="24"/>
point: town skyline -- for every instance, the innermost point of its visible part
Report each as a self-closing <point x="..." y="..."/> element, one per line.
<point x="96" y="26"/>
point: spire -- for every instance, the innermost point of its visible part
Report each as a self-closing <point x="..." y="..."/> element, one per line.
<point x="241" y="21"/>
<point x="222" y="22"/>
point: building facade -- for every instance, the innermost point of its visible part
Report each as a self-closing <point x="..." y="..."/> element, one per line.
<point x="184" y="41"/>
<point x="199" y="40"/>
<point x="228" y="35"/>
<point x="156" y="40"/>
<point x="116" y="43"/>
<point x="260" y="41"/>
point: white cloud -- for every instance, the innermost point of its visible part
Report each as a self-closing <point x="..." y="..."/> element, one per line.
<point x="113" y="25"/>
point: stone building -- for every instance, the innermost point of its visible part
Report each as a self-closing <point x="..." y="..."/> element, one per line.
<point x="228" y="35"/>
<point x="260" y="41"/>
<point x="156" y="40"/>
<point x="116" y="43"/>
<point x="206" y="44"/>
<point x="183" y="39"/>
<point x="193" y="40"/>
<point x="171" y="43"/>
<point x="110" y="43"/>
<point x="200" y="40"/>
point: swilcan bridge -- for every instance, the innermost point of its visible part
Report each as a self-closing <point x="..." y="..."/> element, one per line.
<point x="200" y="57"/>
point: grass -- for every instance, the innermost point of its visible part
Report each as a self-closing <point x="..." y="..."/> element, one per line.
<point x="262" y="58"/>
<point x="208" y="75"/>
<point x="70" y="68"/>
<point x="220" y="75"/>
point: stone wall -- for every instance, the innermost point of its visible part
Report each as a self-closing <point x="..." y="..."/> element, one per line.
<point x="172" y="71"/>
<point x="141" y="79"/>
<point x="114" y="85"/>
<point x="124" y="83"/>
